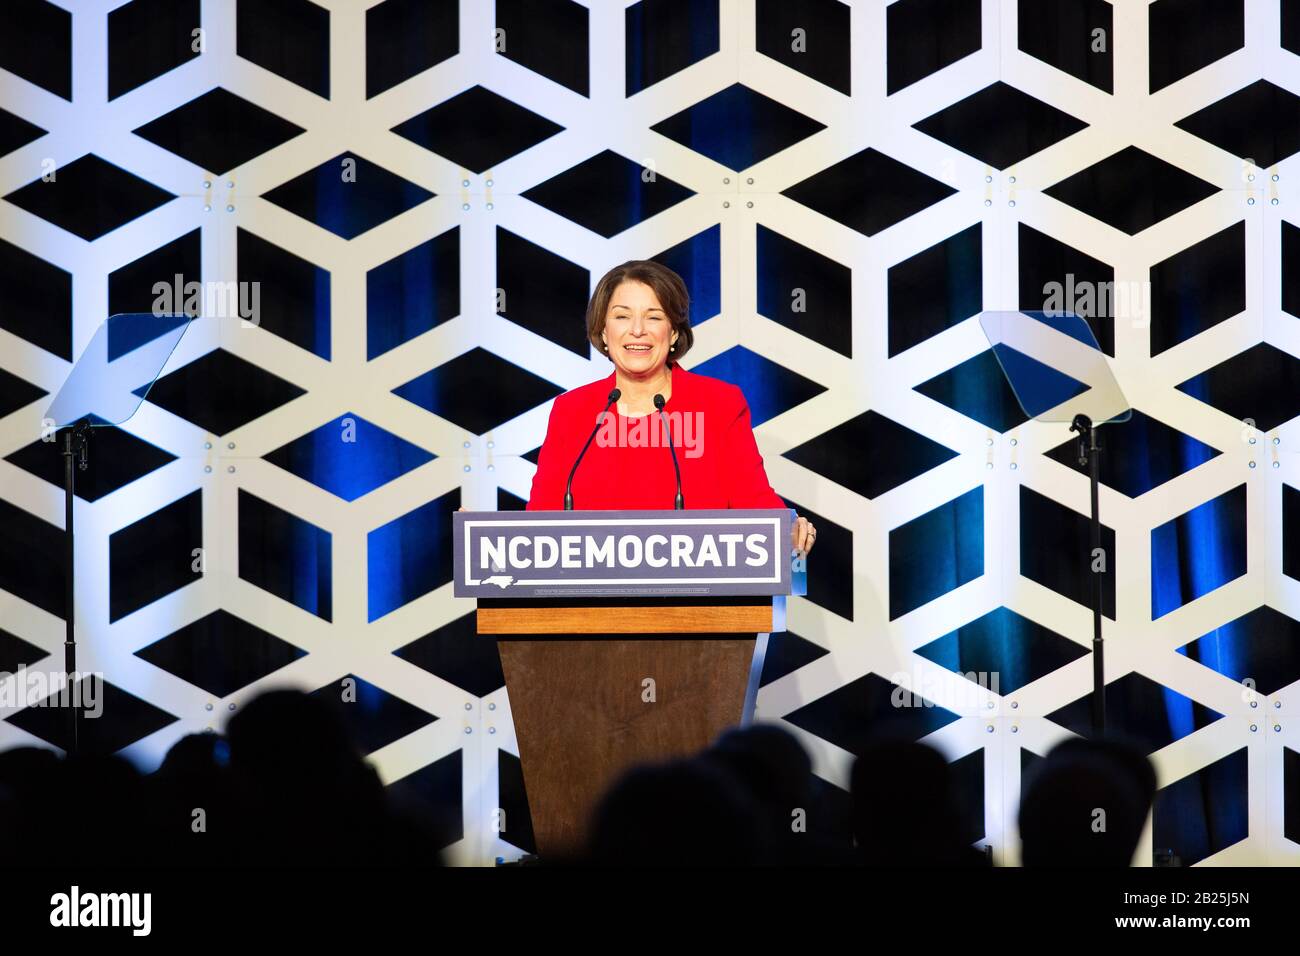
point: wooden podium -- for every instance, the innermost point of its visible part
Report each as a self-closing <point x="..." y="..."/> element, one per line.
<point x="625" y="637"/>
<point x="600" y="685"/>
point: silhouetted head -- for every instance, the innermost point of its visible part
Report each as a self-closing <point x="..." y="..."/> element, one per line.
<point x="1085" y="806"/>
<point x="306" y="790"/>
<point x="1127" y="758"/>
<point x="904" y="811"/>
<point x="289" y="736"/>
<point x="106" y="794"/>
<point x="686" y="813"/>
<point x="768" y="761"/>
<point x="27" y="768"/>
<point x="196" y="755"/>
<point x="776" y="772"/>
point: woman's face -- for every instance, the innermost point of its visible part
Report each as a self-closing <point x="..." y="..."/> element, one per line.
<point x="637" y="332"/>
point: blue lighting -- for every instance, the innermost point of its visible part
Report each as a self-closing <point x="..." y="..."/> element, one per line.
<point x="349" y="457"/>
<point x="698" y="261"/>
<point x="769" y="388"/>
<point x="936" y="552"/>
<point x="1191" y="556"/>
<point x="410" y="556"/>
<point x="1198" y="552"/>
<point x="412" y="293"/>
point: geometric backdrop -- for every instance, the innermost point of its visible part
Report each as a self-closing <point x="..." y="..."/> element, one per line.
<point x="424" y="193"/>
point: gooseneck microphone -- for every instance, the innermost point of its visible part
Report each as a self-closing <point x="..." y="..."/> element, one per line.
<point x="659" y="404"/>
<point x="568" y="494"/>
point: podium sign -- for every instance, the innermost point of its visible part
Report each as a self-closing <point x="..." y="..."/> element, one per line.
<point x="595" y="554"/>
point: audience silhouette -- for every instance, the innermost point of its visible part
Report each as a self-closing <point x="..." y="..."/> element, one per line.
<point x="286" y="785"/>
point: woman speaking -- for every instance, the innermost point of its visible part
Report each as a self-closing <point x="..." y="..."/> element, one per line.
<point x="638" y="317"/>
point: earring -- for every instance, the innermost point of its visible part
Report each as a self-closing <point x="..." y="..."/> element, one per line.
<point x="672" y="348"/>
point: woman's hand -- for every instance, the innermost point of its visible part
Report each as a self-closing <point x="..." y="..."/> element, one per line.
<point x="803" y="535"/>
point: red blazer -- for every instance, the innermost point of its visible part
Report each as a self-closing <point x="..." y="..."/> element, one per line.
<point x="720" y="463"/>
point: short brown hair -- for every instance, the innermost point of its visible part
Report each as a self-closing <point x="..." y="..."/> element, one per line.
<point x="668" y="288"/>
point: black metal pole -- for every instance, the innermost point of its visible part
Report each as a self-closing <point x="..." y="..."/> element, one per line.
<point x="70" y="439"/>
<point x="1098" y="649"/>
<point x="1090" y="454"/>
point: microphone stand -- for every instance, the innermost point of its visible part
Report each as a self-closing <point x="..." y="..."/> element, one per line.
<point x="678" y="503"/>
<point x="600" y="420"/>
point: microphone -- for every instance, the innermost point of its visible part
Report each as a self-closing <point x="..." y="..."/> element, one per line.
<point x="568" y="495"/>
<point x="678" y="504"/>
